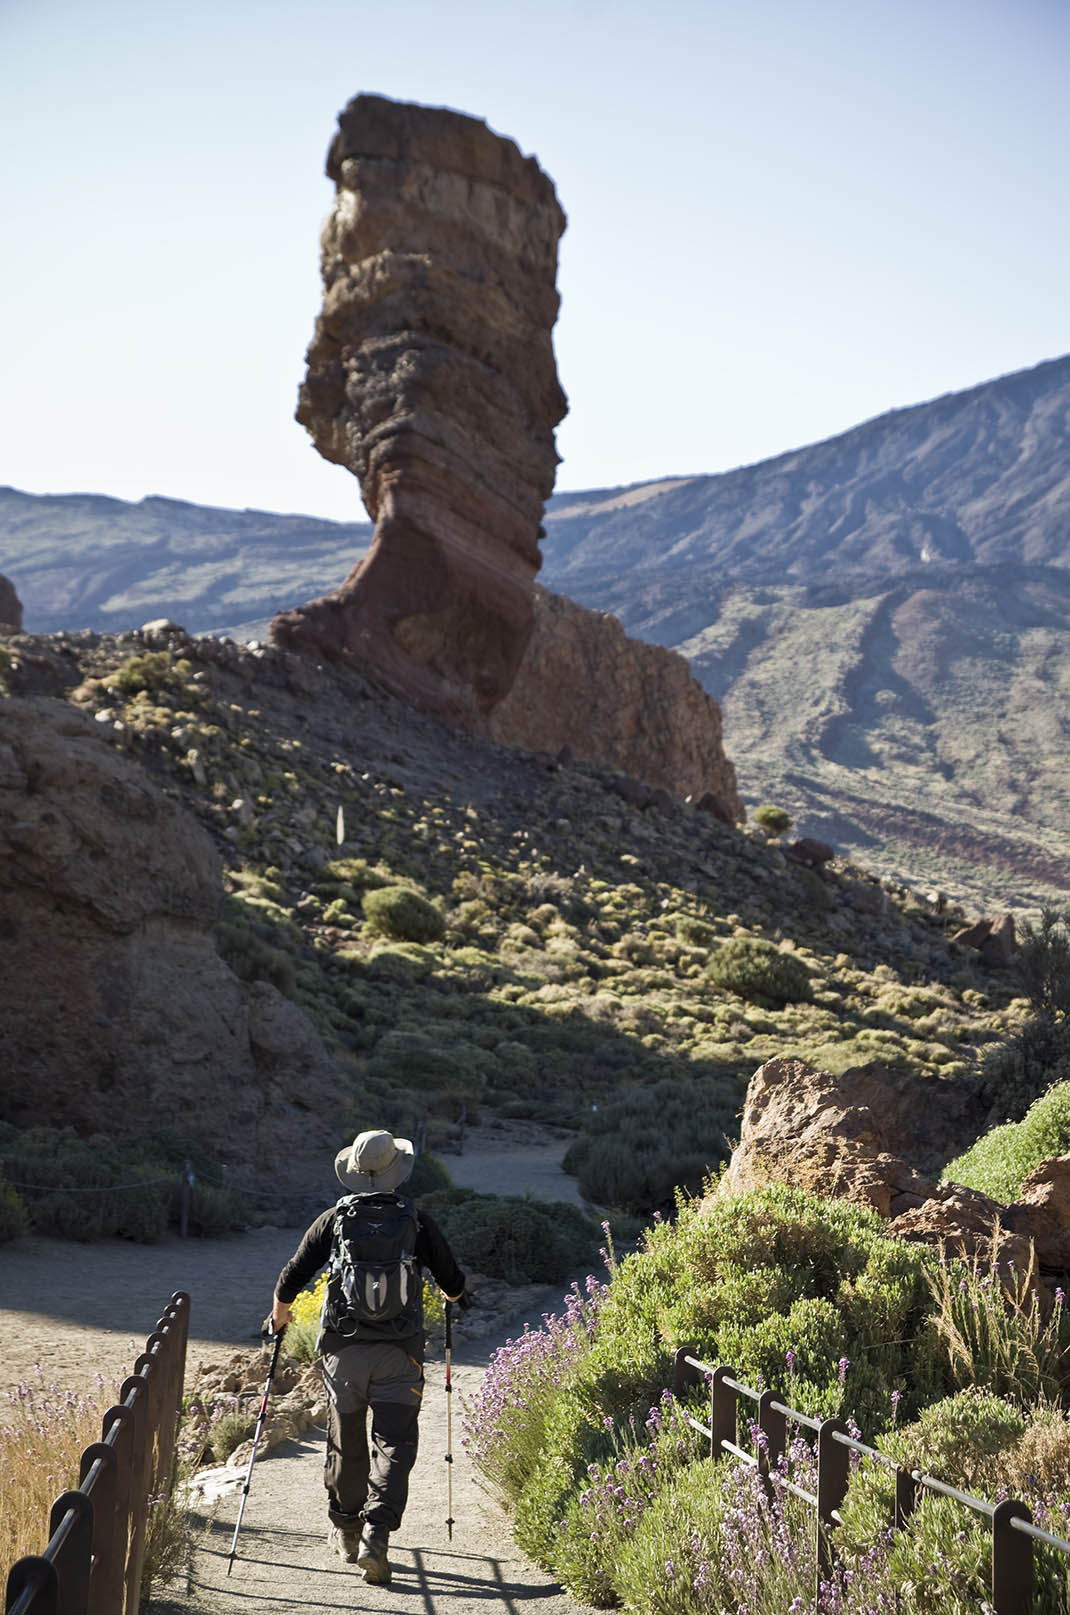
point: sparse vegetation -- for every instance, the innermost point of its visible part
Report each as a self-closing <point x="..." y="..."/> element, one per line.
<point x="104" y="1188"/>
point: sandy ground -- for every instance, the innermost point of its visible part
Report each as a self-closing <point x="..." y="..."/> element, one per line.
<point x="73" y="1312"/>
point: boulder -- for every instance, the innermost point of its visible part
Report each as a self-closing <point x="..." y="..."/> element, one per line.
<point x="117" y="1014"/>
<point x="995" y="940"/>
<point x="610" y="699"/>
<point x="1042" y="1213"/>
<point x="809" y="851"/>
<point x="852" y="1137"/>
<point x="841" y="1137"/>
<point x="431" y="376"/>
<point x="10" y="607"/>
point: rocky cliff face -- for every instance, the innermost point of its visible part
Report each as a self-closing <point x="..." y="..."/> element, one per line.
<point x="584" y="684"/>
<point x="116" y="1012"/>
<point x="10" y="606"/>
<point x="431" y="376"/>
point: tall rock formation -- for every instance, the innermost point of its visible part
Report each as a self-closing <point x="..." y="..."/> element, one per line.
<point x="584" y="684"/>
<point x="431" y="376"/>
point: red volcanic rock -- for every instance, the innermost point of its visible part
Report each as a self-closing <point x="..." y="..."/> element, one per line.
<point x="431" y="376"/>
<point x="637" y="707"/>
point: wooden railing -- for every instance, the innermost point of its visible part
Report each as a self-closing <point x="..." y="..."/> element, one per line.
<point x="96" y="1550"/>
<point x="1013" y="1531"/>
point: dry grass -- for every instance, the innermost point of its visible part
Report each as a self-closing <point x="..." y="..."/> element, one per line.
<point x="43" y="1431"/>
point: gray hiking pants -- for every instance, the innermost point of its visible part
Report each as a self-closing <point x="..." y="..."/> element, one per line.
<point x="387" y="1379"/>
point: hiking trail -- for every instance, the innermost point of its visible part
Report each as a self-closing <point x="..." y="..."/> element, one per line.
<point x="80" y="1311"/>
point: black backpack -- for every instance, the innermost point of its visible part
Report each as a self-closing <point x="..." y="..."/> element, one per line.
<point x="374" y="1286"/>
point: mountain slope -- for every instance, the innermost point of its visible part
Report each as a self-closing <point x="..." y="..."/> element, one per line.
<point x="86" y="561"/>
<point x="981" y="476"/>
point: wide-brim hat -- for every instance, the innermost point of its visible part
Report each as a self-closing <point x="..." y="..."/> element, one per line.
<point x="375" y="1163"/>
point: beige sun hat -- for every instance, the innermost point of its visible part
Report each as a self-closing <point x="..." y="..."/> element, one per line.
<point x="375" y="1163"/>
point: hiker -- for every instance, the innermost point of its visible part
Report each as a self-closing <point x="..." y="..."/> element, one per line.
<point x="372" y="1339"/>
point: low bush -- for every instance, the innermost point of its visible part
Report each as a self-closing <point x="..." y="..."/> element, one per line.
<point x="1000" y="1161"/>
<point x="775" y="821"/>
<point x="636" y="1151"/>
<point x="519" y="1240"/>
<point x="398" y="912"/>
<point x="755" y="969"/>
<point x="695" y="932"/>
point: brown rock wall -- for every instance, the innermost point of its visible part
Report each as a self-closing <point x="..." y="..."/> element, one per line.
<point x="584" y="684"/>
<point x="117" y="1014"/>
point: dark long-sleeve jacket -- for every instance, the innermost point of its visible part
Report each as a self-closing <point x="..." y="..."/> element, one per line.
<point x="314" y="1252"/>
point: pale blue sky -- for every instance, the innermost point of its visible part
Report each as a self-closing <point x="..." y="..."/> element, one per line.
<point x="785" y="217"/>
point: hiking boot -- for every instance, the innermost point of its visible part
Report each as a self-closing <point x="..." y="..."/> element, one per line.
<point x="372" y="1559"/>
<point x="344" y="1540"/>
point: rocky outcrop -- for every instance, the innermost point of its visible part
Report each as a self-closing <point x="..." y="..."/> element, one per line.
<point x="1042" y="1212"/>
<point x="995" y="940"/>
<point x="851" y="1137"/>
<point x="610" y="699"/>
<point x="10" y="606"/>
<point x="965" y="1223"/>
<point x="117" y="1014"/>
<point x="431" y="376"/>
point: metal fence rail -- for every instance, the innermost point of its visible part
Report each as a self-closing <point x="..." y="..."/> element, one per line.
<point x="96" y="1550"/>
<point x="1013" y="1531"/>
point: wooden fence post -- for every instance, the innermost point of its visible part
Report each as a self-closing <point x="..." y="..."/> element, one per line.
<point x="773" y="1427"/>
<point x="1012" y="1560"/>
<point x="832" y="1471"/>
<point x="723" y="1406"/>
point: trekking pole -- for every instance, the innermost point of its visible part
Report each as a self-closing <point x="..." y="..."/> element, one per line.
<point x="256" y="1442"/>
<point x="449" y="1419"/>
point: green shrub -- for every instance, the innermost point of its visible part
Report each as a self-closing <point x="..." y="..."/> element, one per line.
<point x="13" y="1220"/>
<point x="153" y="671"/>
<point x="776" y="821"/>
<point x="1027" y="1064"/>
<point x="255" y="946"/>
<point x="755" y="969"/>
<point x="398" y="912"/>
<point x="636" y="1151"/>
<point x="1001" y="1160"/>
<point x="695" y="932"/>
<point x="519" y="1240"/>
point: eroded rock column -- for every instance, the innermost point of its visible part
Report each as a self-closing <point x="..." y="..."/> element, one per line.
<point x="431" y="376"/>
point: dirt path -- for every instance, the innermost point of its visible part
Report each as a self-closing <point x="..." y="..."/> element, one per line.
<point x="79" y="1311"/>
<point x="283" y="1563"/>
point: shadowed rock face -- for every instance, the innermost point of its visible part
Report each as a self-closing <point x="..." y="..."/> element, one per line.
<point x="431" y="376"/>
<point x="10" y="606"/>
<point x="116" y="1012"/>
<point x="584" y="684"/>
